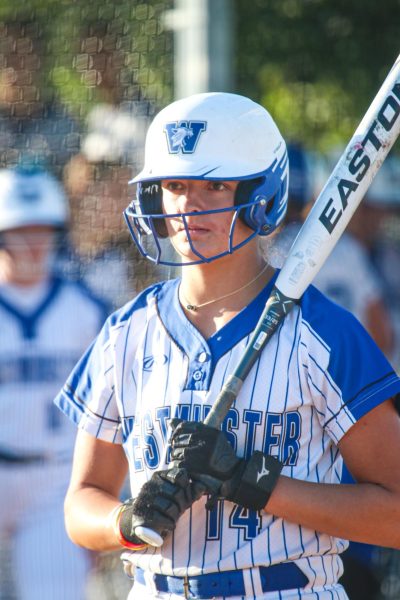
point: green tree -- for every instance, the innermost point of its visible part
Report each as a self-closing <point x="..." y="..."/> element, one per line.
<point x="130" y="35"/>
<point x="316" y="64"/>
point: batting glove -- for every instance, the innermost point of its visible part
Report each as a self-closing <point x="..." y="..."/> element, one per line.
<point x="160" y="503"/>
<point x="206" y="454"/>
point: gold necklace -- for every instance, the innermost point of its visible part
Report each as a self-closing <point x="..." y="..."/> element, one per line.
<point x="194" y="307"/>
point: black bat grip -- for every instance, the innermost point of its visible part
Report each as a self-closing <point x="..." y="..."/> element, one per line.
<point x="223" y="402"/>
<point x="277" y="307"/>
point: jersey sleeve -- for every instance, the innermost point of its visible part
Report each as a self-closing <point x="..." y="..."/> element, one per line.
<point x="347" y="373"/>
<point x="88" y="396"/>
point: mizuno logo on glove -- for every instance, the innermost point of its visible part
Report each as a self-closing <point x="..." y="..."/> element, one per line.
<point x="264" y="471"/>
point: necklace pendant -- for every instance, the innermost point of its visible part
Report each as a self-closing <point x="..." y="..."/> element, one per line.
<point x="191" y="307"/>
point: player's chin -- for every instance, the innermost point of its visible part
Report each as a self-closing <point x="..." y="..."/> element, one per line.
<point x="195" y="250"/>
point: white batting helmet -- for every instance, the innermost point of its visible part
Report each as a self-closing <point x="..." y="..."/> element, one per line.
<point x="31" y="197"/>
<point x="213" y="136"/>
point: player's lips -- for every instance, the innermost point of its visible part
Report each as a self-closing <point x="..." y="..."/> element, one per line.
<point x="197" y="233"/>
<point x="193" y="229"/>
<point x="198" y="229"/>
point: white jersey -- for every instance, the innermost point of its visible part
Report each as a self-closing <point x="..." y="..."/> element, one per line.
<point x="150" y="364"/>
<point x="44" y="331"/>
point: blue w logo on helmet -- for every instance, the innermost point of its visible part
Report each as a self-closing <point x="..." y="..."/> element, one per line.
<point x="183" y="136"/>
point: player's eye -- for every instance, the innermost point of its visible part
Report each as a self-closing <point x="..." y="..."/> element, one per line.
<point x="219" y="186"/>
<point x="173" y="186"/>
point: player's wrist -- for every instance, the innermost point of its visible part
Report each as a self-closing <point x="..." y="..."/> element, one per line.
<point x="257" y="479"/>
<point x="120" y="521"/>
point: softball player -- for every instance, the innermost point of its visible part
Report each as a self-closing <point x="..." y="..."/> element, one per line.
<point x="255" y="510"/>
<point x="46" y="323"/>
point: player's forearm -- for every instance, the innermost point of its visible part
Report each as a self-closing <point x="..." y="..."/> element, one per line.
<point x="364" y="512"/>
<point x="88" y="521"/>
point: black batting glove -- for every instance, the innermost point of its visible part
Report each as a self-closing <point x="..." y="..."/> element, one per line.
<point x="206" y="454"/>
<point x="160" y="503"/>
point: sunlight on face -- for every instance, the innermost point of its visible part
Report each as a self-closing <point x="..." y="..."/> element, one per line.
<point x="209" y="233"/>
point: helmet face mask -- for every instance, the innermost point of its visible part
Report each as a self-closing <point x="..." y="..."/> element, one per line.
<point x="151" y="225"/>
<point x="213" y="137"/>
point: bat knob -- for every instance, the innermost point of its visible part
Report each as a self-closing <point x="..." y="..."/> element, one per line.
<point x="149" y="536"/>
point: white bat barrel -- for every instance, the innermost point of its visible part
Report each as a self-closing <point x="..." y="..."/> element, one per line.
<point x="344" y="189"/>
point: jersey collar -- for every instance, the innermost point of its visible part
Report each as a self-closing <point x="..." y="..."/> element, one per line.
<point x="202" y="354"/>
<point x="29" y="320"/>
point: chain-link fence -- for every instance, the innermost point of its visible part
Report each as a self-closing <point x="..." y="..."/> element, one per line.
<point x="79" y="83"/>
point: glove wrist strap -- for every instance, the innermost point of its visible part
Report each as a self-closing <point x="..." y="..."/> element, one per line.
<point x="115" y="516"/>
<point x="258" y="480"/>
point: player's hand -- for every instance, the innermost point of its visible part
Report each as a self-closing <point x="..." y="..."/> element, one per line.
<point x="160" y="503"/>
<point x="208" y="456"/>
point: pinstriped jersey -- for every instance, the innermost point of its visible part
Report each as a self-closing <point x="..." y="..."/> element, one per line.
<point x="44" y="330"/>
<point x="317" y="376"/>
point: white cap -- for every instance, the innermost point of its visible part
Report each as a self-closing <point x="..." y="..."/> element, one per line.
<point x="31" y="198"/>
<point x="113" y="134"/>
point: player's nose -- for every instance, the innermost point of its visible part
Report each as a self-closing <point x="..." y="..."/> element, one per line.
<point x="193" y="198"/>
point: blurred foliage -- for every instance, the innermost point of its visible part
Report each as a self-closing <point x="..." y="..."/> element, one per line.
<point x="315" y="64"/>
<point x="74" y="34"/>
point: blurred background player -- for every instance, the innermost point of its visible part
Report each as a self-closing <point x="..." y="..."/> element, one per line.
<point x="96" y="180"/>
<point x="99" y="245"/>
<point x="96" y="177"/>
<point x="376" y="225"/>
<point x="46" y="323"/>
